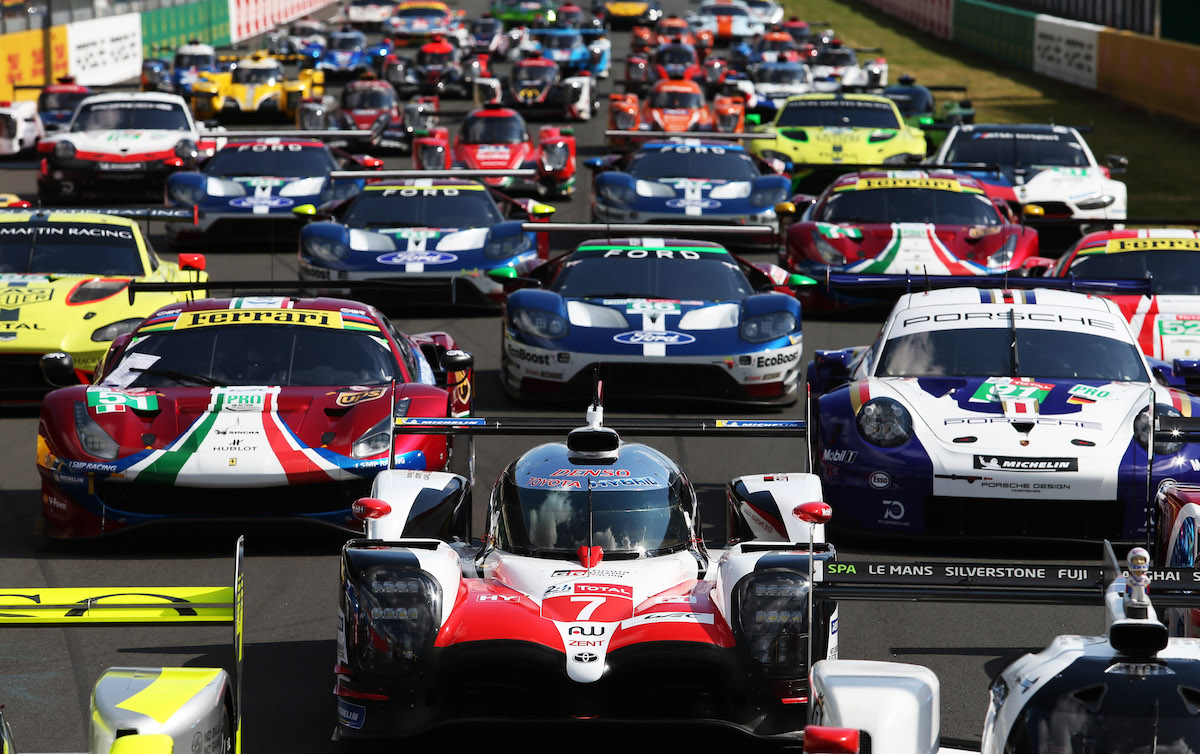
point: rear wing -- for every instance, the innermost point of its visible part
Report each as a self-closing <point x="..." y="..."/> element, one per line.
<point x="885" y="285"/>
<point x="682" y="135"/>
<point x="149" y="214"/>
<point x="464" y="173"/>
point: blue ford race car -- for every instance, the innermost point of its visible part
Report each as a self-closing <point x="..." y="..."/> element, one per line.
<point x="688" y="180"/>
<point x="669" y="318"/>
<point x="442" y="236"/>
<point x="246" y="192"/>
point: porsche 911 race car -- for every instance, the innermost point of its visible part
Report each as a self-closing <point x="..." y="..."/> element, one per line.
<point x="676" y="106"/>
<point x="254" y="85"/>
<point x="63" y="280"/>
<point x="181" y="71"/>
<point x="348" y="53"/>
<point x="769" y="86"/>
<point x="252" y="407"/>
<point x="121" y="145"/>
<point x="537" y="86"/>
<point x="442" y="237"/>
<point x="841" y="65"/>
<point x="20" y="127"/>
<point x="682" y="319"/>
<point x="246" y="192"/>
<point x="594" y="598"/>
<point x="975" y="400"/>
<point x="729" y="20"/>
<point x="494" y="137"/>
<point x="689" y="180"/>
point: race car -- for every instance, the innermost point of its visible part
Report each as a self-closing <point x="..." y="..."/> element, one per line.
<point x="576" y="51"/>
<point x="369" y="14"/>
<point x="56" y="103"/>
<point x="347" y="53"/>
<point x="21" y="127"/>
<point x="305" y="36"/>
<point x="494" y="137"/>
<point x="828" y="129"/>
<point x="440" y="69"/>
<point x="181" y="71"/>
<point x="675" y="319"/>
<point x="769" y="85"/>
<point x="1049" y="166"/>
<point x="975" y="400"/>
<point x="121" y="145"/>
<point x="674" y="105"/>
<point x="918" y="108"/>
<point x="728" y="20"/>
<point x="674" y="61"/>
<point x="416" y="22"/>
<point x="368" y="104"/>
<point x="538" y="87"/>
<point x="63" y="280"/>
<point x="670" y="29"/>
<point x="488" y="37"/>
<point x="595" y="598"/>
<point x="769" y="47"/>
<point x="442" y="237"/>
<point x="904" y="222"/>
<point x="246" y="192"/>
<point x="251" y="407"/>
<point x="255" y="85"/>
<point x="625" y="14"/>
<point x="689" y="180"/>
<point x="524" y="13"/>
<point x="798" y="28"/>
<point x="769" y="12"/>
<point x="835" y="63"/>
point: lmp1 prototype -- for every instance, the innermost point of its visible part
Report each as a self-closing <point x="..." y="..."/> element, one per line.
<point x="594" y="597"/>
<point x="209" y="404"/>
<point x="974" y="401"/>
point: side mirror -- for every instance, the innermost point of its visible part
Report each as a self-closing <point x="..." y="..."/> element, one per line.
<point x="195" y="262"/>
<point x="457" y="360"/>
<point x="785" y="209"/>
<point x="305" y="210"/>
<point x="1033" y="210"/>
<point x="754" y="119"/>
<point x="539" y="210"/>
<point x="511" y="281"/>
<point x="1117" y="162"/>
<point x="796" y="280"/>
<point x="58" y="368"/>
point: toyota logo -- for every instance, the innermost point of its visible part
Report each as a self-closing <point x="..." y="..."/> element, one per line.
<point x="586" y="657"/>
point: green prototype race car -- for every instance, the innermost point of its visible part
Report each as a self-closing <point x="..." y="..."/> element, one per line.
<point x="529" y="13"/>
<point x="920" y="110"/>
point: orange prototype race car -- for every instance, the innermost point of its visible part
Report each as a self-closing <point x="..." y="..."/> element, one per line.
<point x="671" y="29"/>
<point x="675" y="105"/>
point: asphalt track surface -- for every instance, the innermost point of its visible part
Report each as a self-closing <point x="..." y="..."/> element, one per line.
<point x="46" y="674"/>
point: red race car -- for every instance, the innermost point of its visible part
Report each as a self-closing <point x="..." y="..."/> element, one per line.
<point x="675" y="105"/>
<point x="494" y="137"/>
<point x="251" y="408"/>
<point x="677" y="60"/>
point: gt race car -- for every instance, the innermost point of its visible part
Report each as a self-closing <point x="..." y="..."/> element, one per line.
<point x="668" y="318"/>
<point x="260" y="407"/>
<point x="494" y="137"/>
<point x="254" y="85"/>
<point x="121" y="145"/>
<point x="973" y="401"/>
<point x="689" y="180"/>
<point x="841" y="65"/>
<point x="730" y="21"/>
<point x="63" y="277"/>
<point x="538" y="86"/>
<point x="246" y="192"/>
<point x="625" y="14"/>
<point x="523" y="13"/>
<point x="769" y="86"/>
<point x="181" y="71"/>
<point x="369" y="14"/>
<point x="919" y="109"/>
<point x="594" y="596"/>
<point x="441" y="237"/>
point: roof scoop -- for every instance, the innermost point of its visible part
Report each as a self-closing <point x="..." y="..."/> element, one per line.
<point x="595" y="442"/>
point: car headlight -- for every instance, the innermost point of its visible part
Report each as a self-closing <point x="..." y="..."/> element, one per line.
<point x="219" y="187"/>
<point x="881" y="135"/>
<point x="433" y="156"/>
<point x="1096" y="202"/>
<point x="554" y="157"/>
<point x="94" y="290"/>
<point x="508" y="247"/>
<point x="769" y="197"/>
<point x="764" y="327"/>
<point x="624" y="121"/>
<point x="304" y="187"/>
<point x="187" y="150"/>
<point x="884" y="422"/>
<point x="397" y="617"/>
<point x="1143" y="427"/>
<point x="772" y="622"/>
<point x="374" y="441"/>
<point x="897" y="159"/>
<point x="1003" y="258"/>
<point x="540" y="324"/>
<point x="829" y="253"/>
<point x="326" y="250"/>
<point x="615" y="193"/>
<point x="64" y="150"/>
<point x="116" y="329"/>
<point x="94" y="440"/>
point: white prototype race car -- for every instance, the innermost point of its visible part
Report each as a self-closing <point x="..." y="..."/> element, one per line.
<point x="21" y="127"/>
<point x="837" y="64"/>
<point x="728" y="20"/>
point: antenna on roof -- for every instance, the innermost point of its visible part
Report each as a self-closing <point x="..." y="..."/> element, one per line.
<point x="926" y="268"/>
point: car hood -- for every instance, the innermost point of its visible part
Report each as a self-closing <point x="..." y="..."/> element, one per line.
<point x="1167" y="327"/>
<point x="125" y="142"/>
<point x="36" y="318"/>
<point x="422" y="249"/>
<point x="495" y="156"/>
<point x="898" y="248"/>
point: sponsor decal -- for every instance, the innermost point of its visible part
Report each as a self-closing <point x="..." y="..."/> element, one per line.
<point x="829" y="230"/>
<point x="62" y="478"/>
<point x="499" y="598"/>
<point x="240" y="398"/>
<point x="652" y="253"/>
<point x="1033" y="420"/>
<point x="640" y="481"/>
<point x="585" y="657"/>
<point x="518" y="352"/>
<point x="665" y="337"/>
<point x="999" y="389"/>
<point x="759" y="423"/>
<point x="112" y="402"/>
<point x="941" y="184"/>
<point x="685" y="203"/>
<point x="597" y="572"/>
<point x="880" y="480"/>
<point x="417" y="257"/>
<point x="14" y="298"/>
<point x="592" y="472"/>
<point x="308" y="317"/>
<point x="893" y="510"/>
<point x="1015" y="463"/>
<point x="351" y="715"/>
<point x="271" y="202"/>
<point x="786" y="357"/>
<point x="652" y="307"/>
<point x="669" y="617"/>
<point x="1007" y="315"/>
<point x="839" y="456"/>
<point x="356" y="395"/>
<point x="1152" y="244"/>
<point x="1085" y="394"/>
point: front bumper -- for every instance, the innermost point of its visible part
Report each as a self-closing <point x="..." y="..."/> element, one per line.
<point x="80" y="179"/>
<point x="278" y="230"/>
<point x="460" y="288"/>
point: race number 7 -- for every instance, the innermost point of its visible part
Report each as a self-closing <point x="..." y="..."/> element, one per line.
<point x="593" y="604"/>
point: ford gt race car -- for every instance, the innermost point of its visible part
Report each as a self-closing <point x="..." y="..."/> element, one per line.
<point x="441" y="236"/>
<point x="63" y="278"/>
<point x="672" y="318"/>
<point x="973" y="401"/>
<point x="688" y="180"/>
<point x="255" y="407"/>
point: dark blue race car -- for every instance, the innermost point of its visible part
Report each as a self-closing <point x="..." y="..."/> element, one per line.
<point x="347" y="53"/>
<point x="183" y="69"/>
<point x="666" y="318"/>
<point x="688" y="180"/>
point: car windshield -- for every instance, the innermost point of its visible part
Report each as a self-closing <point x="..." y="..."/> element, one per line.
<point x="710" y="277"/>
<point x="346" y="42"/>
<point x="675" y="55"/>
<point x="708" y="163"/>
<point x="193" y="60"/>
<point x="260" y="354"/>
<point x="676" y="100"/>
<point x="990" y="352"/>
<point x="422" y="208"/>
<point x="71" y="248"/>
<point x="831" y="113"/>
<point x="492" y="130"/>
<point x="285" y="160"/>
<point x="1171" y="272"/>
<point x="486" y="26"/>
<point x="434" y="58"/>
<point x="1017" y="148"/>
<point x="723" y="10"/>
<point x="60" y="100"/>
<point x="269" y="74"/>
<point x="559" y="41"/>
<point x="775" y="74"/>
<point x="372" y="98"/>
<point x="835" y="56"/>
<point x="131" y="115"/>
<point x="915" y="101"/>
<point x="640" y="517"/>
<point x="431" y="13"/>
<point x="535" y="74"/>
<point x="908" y="205"/>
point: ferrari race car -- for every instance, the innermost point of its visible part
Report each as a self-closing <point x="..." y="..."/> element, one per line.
<point x="440" y="69"/>
<point x="682" y="319"/>
<point x="63" y="279"/>
<point x="975" y="400"/>
<point x="675" y="106"/>
<point x="917" y="107"/>
<point x="576" y="51"/>
<point x="181" y="71"/>
<point x="347" y="53"/>
<point x="21" y="127"/>
<point x="368" y="104"/>
<point x="246" y="192"/>
<point x="625" y="14"/>
<point x="594" y="598"/>
<point x="841" y="65"/>
<point x="416" y="22"/>
<point x="689" y="180"/>
<point x="254" y="85"/>
<point x="1049" y="166"/>
<point x="121" y="145"/>
<point x="441" y="237"/>
<point x="256" y="407"/>
<point x="670" y="30"/>
<point x="494" y="137"/>
<point x="537" y="86"/>
<point x="729" y="21"/>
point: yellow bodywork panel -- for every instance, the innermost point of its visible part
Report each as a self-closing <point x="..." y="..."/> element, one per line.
<point x="173" y="688"/>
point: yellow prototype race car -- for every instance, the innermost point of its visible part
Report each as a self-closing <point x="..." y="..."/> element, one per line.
<point x="256" y="84"/>
<point x="837" y="129"/>
<point x="63" y="280"/>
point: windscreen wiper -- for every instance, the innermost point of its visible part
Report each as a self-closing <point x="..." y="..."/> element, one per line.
<point x="1016" y="356"/>
<point x="178" y="376"/>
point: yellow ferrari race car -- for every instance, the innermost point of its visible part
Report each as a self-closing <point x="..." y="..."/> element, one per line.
<point x="63" y="279"/>
<point x="255" y="84"/>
